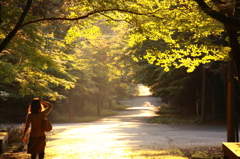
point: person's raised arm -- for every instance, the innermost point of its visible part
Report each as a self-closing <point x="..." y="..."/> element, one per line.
<point x="49" y="107"/>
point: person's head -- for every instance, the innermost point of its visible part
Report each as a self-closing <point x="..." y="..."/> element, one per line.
<point x="35" y="106"/>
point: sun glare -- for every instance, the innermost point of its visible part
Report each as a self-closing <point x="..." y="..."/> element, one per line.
<point x="143" y="90"/>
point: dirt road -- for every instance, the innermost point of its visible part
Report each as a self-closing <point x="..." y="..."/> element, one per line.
<point x="128" y="135"/>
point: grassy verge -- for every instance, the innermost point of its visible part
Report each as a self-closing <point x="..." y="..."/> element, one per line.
<point x="172" y="115"/>
<point x="90" y="115"/>
<point x="203" y="152"/>
<point x="90" y="118"/>
<point x="121" y="107"/>
<point x="175" y="119"/>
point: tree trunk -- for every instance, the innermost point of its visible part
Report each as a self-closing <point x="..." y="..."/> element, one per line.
<point x="197" y="102"/>
<point x="234" y="63"/>
<point x="81" y="107"/>
<point x="203" y="94"/>
<point x="98" y="106"/>
<point x="235" y="49"/>
<point x="213" y="103"/>
<point x="117" y="101"/>
<point x="70" y="102"/>
<point x="230" y="105"/>
<point x="110" y="103"/>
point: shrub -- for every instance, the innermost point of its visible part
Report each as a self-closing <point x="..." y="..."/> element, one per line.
<point x="15" y="132"/>
<point x="57" y="117"/>
<point x="120" y="107"/>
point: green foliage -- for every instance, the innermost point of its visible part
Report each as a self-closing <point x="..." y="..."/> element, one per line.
<point x="58" y="117"/>
<point x="87" y="57"/>
<point x="167" y="20"/>
<point x="86" y="119"/>
<point x="121" y="107"/>
<point x="34" y="63"/>
<point x="184" y="33"/>
<point x="99" y="73"/>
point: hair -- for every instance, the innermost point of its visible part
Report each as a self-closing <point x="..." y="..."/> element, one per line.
<point x="35" y="106"/>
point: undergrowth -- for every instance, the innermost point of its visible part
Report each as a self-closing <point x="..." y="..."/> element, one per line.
<point x="15" y="132"/>
<point x="172" y="115"/>
<point x="175" y="119"/>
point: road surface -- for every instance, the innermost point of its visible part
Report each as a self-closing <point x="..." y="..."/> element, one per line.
<point x="128" y="135"/>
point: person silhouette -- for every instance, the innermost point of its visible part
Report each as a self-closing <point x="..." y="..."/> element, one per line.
<point x="36" y="115"/>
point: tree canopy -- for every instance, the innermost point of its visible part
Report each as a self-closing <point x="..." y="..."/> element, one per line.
<point x="36" y="36"/>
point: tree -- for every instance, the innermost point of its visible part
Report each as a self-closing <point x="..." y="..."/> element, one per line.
<point x="30" y="13"/>
<point x="30" y="65"/>
<point x="169" y="21"/>
<point x="162" y="14"/>
<point x="228" y="14"/>
<point x="99" y="74"/>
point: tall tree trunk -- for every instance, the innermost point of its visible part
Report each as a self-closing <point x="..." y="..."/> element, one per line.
<point x="110" y="103"/>
<point x="98" y="105"/>
<point x="81" y="107"/>
<point x="213" y="103"/>
<point x="230" y="105"/>
<point x="203" y="94"/>
<point x="70" y="102"/>
<point x="101" y="103"/>
<point x="233" y="64"/>
<point x="197" y="101"/>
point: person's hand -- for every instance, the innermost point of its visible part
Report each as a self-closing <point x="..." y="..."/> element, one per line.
<point x="24" y="139"/>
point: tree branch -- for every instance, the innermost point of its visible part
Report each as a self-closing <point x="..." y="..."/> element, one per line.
<point x="231" y="22"/>
<point x="17" y="27"/>
<point x="219" y="2"/>
<point x="20" y="23"/>
<point x="81" y="17"/>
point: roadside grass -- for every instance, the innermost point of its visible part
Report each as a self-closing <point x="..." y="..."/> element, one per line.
<point x="90" y="114"/>
<point x="174" y="115"/>
<point x="171" y="115"/>
<point x="90" y="118"/>
<point x="124" y="152"/>
<point x="203" y="152"/>
<point x="175" y="119"/>
<point x="122" y="106"/>
<point x="171" y="118"/>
